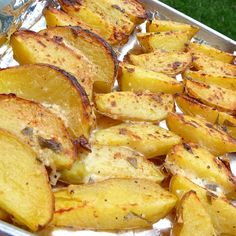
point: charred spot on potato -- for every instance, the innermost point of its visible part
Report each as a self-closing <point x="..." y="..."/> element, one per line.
<point x="188" y="148"/>
<point x="51" y="144"/>
<point x="27" y="131"/>
<point x="118" y="8"/>
<point x="130" y="70"/>
<point x="133" y="162"/>
<point x="58" y="39"/>
<point x="176" y="64"/>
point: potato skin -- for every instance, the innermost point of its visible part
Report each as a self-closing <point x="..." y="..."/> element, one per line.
<point x="105" y="162"/>
<point x="199" y="131"/>
<point x="192" y="107"/>
<point x="192" y="218"/>
<point x="221" y="211"/>
<point x="112" y="204"/>
<point x="192" y="161"/>
<point x="169" y="63"/>
<point x="221" y="98"/>
<point x="23" y="191"/>
<point x="140" y="106"/>
<point x="38" y="82"/>
<point x="148" y="139"/>
<point x="136" y="79"/>
<point x="95" y="48"/>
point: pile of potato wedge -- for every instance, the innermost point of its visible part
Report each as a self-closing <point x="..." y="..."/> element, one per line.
<point x="78" y="151"/>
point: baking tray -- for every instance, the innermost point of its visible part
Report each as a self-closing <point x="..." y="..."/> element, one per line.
<point x="28" y="14"/>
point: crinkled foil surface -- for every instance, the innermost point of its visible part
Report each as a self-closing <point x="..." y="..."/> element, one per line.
<point x="15" y="14"/>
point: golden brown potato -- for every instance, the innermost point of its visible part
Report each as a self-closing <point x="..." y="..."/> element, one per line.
<point x="30" y="47"/>
<point x="24" y="184"/>
<point x="192" y="218"/>
<point x="193" y="162"/>
<point x="105" y="162"/>
<point x="198" y="130"/>
<point x="38" y="82"/>
<point x="135" y="78"/>
<point x="221" y="211"/>
<point x="210" y="51"/>
<point x="167" y="25"/>
<point x="168" y="41"/>
<point x="170" y="63"/>
<point x="103" y="16"/>
<point x="94" y="48"/>
<point x="192" y="107"/>
<point x="4" y="215"/>
<point x="228" y="82"/>
<point x="148" y="139"/>
<point x="40" y="128"/>
<point x="212" y="95"/>
<point x="112" y="204"/>
<point x="103" y="122"/>
<point x="211" y="65"/>
<point x="144" y="106"/>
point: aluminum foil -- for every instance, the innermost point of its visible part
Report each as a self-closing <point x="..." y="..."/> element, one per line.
<point x="15" y="14"/>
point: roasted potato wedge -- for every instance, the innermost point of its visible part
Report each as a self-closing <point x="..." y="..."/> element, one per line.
<point x="221" y="98"/>
<point x="112" y="204"/>
<point x="148" y="139"/>
<point x="211" y="65"/>
<point x="167" y="25"/>
<point x="170" y="63"/>
<point x="135" y="78"/>
<point x="24" y="184"/>
<point x="30" y="47"/>
<point x="104" y="17"/>
<point x="194" y="162"/>
<point x="144" y="106"/>
<point x="168" y="41"/>
<point x="198" y="130"/>
<point x="192" y="218"/>
<point x="41" y="83"/>
<point x="94" y="48"/>
<point x="210" y="51"/>
<point x="228" y="82"/>
<point x="40" y="128"/>
<point x="104" y="162"/>
<point x="221" y="211"/>
<point x="192" y="107"/>
<point x="55" y="17"/>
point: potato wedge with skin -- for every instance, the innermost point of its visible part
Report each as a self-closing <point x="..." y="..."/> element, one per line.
<point x="199" y="131"/>
<point x="132" y="106"/>
<point x="194" y="162"/>
<point x="228" y="82"/>
<point x="221" y="98"/>
<point x="210" y="51"/>
<point x="40" y="128"/>
<point x="211" y="65"/>
<point x="168" y="41"/>
<point x="112" y="204"/>
<point x="30" y="47"/>
<point x="167" y="25"/>
<point x="221" y="211"/>
<point x="135" y="78"/>
<point x="169" y="63"/>
<point x="104" y="17"/>
<point x="93" y="47"/>
<point x="24" y="184"/>
<point x="148" y="139"/>
<point x="192" y="218"/>
<point x="105" y="162"/>
<point x="38" y="82"/>
<point x="192" y="107"/>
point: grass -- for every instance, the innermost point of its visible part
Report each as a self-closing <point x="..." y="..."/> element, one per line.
<point x="217" y="14"/>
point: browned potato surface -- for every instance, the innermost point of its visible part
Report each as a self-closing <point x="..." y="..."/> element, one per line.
<point x="132" y="106"/>
<point x="198" y="130"/>
<point x="170" y="63"/>
<point x="112" y="204"/>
